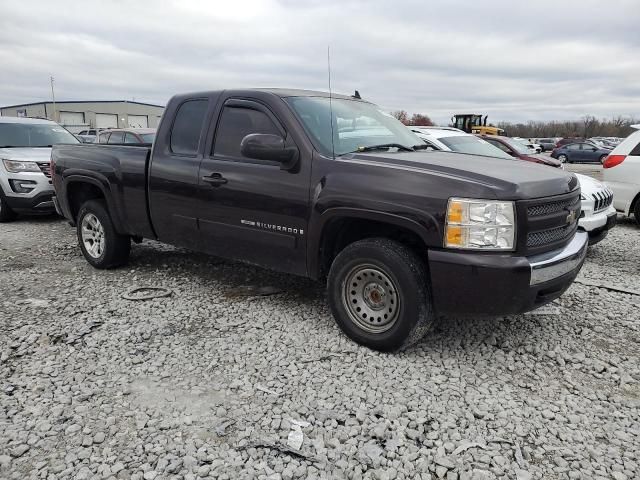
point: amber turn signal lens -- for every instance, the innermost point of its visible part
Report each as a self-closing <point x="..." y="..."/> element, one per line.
<point x="454" y="236"/>
<point x="454" y="215"/>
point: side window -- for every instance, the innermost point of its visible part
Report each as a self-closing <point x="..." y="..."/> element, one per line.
<point x="237" y="123"/>
<point x="83" y="132"/>
<point x="636" y="151"/>
<point x="130" y="138"/>
<point x="116" y="137"/>
<point x="185" y="133"/>
<point x="500" y="145"/>
<point x="587" y="146"/>
<point x="573" y="146"/>
<point x="104" y="137"/>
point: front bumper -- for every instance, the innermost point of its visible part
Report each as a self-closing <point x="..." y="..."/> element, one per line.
<point x="37" y="200"/>
<point x="499" y="284"/>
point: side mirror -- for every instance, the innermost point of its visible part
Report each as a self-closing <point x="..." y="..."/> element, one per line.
<point x="265" y="146"/>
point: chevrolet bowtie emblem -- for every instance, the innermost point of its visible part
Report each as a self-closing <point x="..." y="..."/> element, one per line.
<point x="571" y="217"/>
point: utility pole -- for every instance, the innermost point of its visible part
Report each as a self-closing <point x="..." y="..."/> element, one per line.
<point x="53" y="98"/>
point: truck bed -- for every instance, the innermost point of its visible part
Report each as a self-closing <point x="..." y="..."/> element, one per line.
<point x="121" y="169"/>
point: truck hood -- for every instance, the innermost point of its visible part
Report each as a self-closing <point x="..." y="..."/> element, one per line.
<point x="26" y="154"/>
<point x="506" y="179"/>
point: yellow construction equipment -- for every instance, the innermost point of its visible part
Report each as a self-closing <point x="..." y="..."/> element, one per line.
<point x="475" y="123"/>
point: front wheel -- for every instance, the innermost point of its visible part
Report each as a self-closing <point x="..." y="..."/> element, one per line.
<point x="101" y="245"/>
<point x="563" y="158"/>
<point x="379" y="294"/>
<point x="636" y="212"/>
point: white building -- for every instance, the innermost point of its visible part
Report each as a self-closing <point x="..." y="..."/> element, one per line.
<point x="81" y="115"/>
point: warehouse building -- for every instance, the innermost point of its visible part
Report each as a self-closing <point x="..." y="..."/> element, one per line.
<point x="77" y="116"/>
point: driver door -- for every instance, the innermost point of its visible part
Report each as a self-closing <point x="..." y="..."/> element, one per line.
<point x="250" y="209"/>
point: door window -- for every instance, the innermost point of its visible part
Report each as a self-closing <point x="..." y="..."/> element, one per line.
<point x="130" y="138"/>
<point x="104" y="137"/>
<point x="116" y="137"/>
<point x="573" y="146"/>
<point x="185" y="133"/>
<point x="235" y="124"/>
<point x="500" y="145"/>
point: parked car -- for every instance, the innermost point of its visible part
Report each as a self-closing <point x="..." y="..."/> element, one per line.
<point x="453" y="140"/>
<point x="25" y="151"/>
<point x="534" y="147"/>
<point x="518" y="150"/>
<point x="127" y="135"/>
<point x="622" y="175"/>
<point x="597" y="215"/>
<point x="583" y="152"/>
<point x="567" y="141"/>
<point x="89" y="135"/>
<point x="400" y="234"/>
<point x="547" y="144"/>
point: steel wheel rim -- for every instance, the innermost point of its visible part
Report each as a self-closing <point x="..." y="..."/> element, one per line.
<point x="92" y="233"/>
<point x="371" y="298"/>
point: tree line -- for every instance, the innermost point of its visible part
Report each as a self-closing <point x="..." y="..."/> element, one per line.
<point x="588" y="126"/>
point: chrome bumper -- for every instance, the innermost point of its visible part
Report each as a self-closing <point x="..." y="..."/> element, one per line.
<point x="551" y="265"/>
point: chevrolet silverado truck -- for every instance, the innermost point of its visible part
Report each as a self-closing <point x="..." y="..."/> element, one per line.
<point x="332" y="188"/>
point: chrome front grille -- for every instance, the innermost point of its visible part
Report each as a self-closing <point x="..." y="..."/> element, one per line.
<point x="549" y="223"/>
<point x="552" y="207"/>
<point x="603" y="199"/>
<point x="552" y="235"/>
<point x="45" y="167"/>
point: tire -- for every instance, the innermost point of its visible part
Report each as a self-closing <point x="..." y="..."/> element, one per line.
<point x="6" y="214"/>
<point x="602" y="157"/>
<point x="396" y="301"/>
<point x="636" y="212"/>
<point x="563" y="158"/>
<point x="101" y="245"/>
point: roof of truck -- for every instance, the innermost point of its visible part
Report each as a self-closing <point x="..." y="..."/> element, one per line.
<point x="280" y="92"/>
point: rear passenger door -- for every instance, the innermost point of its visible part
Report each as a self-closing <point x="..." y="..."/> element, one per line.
<point x="588" y="153"/>
<point x="251" y="209"/>
<point x="173" y="175"/>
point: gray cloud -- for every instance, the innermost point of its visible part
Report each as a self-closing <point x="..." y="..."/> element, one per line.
<point x="512" y="60"/>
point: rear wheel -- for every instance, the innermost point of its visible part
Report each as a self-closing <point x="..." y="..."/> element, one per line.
<point x="101" y="245"/>
<point x="6" y="214"/>
<point x="379" y="294"/>
<point x="602" y="157"/>
<point x="563" y="158"/>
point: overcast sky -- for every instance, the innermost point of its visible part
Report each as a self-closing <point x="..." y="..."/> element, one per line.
<point x="510" y="59"/>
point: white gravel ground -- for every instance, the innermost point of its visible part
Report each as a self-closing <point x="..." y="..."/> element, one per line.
<point x="210" y="382"/>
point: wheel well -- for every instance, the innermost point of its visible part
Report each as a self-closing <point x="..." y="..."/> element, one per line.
<point x="339" y="233"/>
<point x="633" y="204"/>
<point x="79" y="192"/>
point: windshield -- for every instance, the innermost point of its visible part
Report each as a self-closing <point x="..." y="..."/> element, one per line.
<point x="33" y="135"/>
<point x="517" y="146"/>
<point x="148" y="137"/>
<point x="356" y="125"/>
<point x="473" y="145"/>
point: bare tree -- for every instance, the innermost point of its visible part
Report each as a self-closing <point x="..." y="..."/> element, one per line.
<point x="419" y="119"/>
<point x="401" y="115"/>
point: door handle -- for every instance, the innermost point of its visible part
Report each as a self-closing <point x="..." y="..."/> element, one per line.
<point x="215" y="179"/>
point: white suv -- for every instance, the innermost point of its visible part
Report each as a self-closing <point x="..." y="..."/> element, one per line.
<point x="622" y="175"/>
<point x="25" y="155"/>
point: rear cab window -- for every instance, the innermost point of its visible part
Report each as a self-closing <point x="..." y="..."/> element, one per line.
<point x="187" y="127"/>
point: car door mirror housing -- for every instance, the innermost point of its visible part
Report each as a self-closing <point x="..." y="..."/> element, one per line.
<point x="265" y="146"/>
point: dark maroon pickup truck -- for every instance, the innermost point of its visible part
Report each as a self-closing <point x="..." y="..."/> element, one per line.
<point x="336" y="189"/>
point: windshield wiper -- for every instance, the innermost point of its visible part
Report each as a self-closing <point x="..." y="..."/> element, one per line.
<point x="384" y="146"/>
<point x="9" y="146"/>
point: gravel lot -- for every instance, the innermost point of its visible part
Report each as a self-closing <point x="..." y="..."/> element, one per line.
<point x="215" y="380"/>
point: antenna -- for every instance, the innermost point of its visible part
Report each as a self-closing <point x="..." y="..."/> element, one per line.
<point x="333" y="148"/>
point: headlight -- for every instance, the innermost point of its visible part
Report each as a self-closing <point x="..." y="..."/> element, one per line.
<point x="479" y="224"/>
<point x="14" y="166"/>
